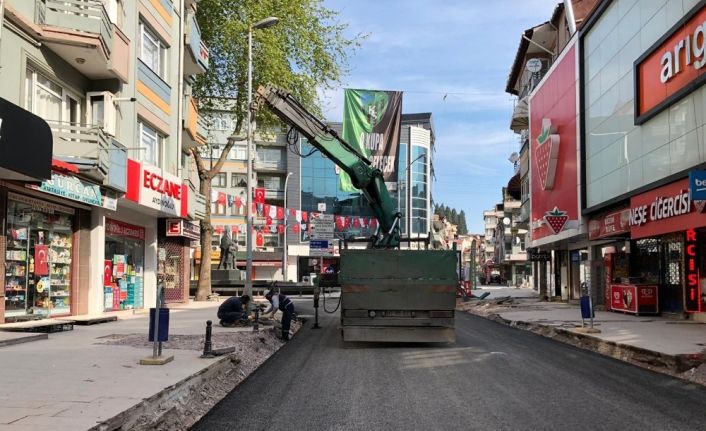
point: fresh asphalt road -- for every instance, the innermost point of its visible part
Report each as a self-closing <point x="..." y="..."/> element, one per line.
<point x="494" y="377"/>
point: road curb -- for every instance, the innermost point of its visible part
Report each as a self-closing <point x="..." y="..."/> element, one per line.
<point x="181" y="405"/>
<point x="656" y="361"/>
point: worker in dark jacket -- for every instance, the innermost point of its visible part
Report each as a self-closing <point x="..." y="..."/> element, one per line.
<point x="233" y="311"/>
<point x="285" y="305"/>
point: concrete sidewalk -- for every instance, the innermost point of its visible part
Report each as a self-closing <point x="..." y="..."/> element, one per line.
<point x="673" y="346"/>
<point x="79" y="379"/>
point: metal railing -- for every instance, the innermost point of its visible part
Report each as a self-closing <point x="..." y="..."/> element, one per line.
<point x="270" y="166"/>
<point x="83" y="142"/>
<point x="83" y="15"/>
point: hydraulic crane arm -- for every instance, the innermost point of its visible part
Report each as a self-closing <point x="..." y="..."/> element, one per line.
<point x="363" y="176"/>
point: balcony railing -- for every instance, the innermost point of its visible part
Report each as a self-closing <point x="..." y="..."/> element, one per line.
<point x="103" y="42"/>
<point x="196" y="61"/>
<point x="95" y="152"/>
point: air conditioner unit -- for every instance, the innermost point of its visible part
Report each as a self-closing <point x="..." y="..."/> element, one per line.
<point x="101" y="110"/>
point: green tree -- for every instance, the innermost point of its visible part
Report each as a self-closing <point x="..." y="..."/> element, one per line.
<point x="453" y="217"/>
<point x="306" y="52"/>
<point x="462" y="228"/>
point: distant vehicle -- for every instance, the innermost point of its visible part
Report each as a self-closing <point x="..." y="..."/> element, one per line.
<point x="495" y="279"/>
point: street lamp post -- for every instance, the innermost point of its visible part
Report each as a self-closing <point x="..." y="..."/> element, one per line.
<point x="284" y="249"/>
<point x="267" y="22"/>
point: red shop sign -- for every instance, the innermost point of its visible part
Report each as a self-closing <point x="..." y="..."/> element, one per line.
<point x="615" y="223"/>
<point x="118" y="228"/>
<point x="672" y="68"/>
<point x="664" y="210"/>
<point x="692" y="300"/>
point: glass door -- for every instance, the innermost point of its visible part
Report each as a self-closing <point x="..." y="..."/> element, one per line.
<point x="17" y="262"/>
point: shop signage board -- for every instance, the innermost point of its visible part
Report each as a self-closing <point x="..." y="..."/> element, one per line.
<point x="534" y="255"/>
<point x="692" y="299"/>
<point x="70" y="187"/>
<point x="553" y="148"/>
<point x="631" y="298"/>
<point x="320" y="247"/>
<point x="118" y="228"/>
<point x="182" y="228"/>
<point x="323" y="227"/>
<point x="40" y="205"/>
<point x="671" y="68"/>
<point x="155" y="188"/>
<point x="697" y="185"/>
<point x="664" y="210"/>
<point x="612" y="224"/>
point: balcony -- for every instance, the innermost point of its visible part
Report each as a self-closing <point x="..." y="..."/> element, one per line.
<point x="196" y="205"/>
<point x="96" y="154"/>
<point x="193" y="134"/>
<point x="196" y="57"/>
<point x="82" y="34"/>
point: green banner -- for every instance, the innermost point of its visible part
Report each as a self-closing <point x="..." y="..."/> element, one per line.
<point x="371" y="124"/>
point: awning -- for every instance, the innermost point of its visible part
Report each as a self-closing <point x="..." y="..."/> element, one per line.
<point x="26" y="144"/>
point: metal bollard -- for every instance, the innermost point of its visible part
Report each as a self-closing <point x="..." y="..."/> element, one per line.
<point x="317" y="291"/>
<point x="207" y="345"/>
<point x="256" y="323"/>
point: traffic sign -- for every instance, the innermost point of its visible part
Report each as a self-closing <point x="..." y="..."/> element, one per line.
<point x="320" y="247"/>
<point x="323" y="227"/>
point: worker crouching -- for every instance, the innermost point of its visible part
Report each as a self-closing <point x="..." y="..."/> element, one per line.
<point x="285" y="305"/>
<point x="233" y="311"/>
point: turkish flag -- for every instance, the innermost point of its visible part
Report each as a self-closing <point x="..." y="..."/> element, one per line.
<point x="339" y="223"/>
<point x="235" y="229"/>
<point x="218" y="229"/>
<point x="373" y="223"/>
<point x="305" y="216"/>
<point x="260" y="239"/>
<point x="266" y="210"/>
<point x="356" y="222"/>
<point x="107" y="272"/>
<point x="221" y="198"/>
<point x="268" y="221"/>
<point x="260" y="195"/>
<point x="280" y="213"/>
<point x="280" y="228"/>
<point x="41" y="259"/>
<point x="292" y="212"/>
<point x="238" y="202"/>
<point x="296" y="228"/>
<point x="347" y="222"/>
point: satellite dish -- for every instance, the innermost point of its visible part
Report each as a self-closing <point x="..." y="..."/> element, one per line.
<point x="534" y="65"/>
<point x="514" y="157"/>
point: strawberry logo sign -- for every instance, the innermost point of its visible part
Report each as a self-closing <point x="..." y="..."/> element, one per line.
<point x="556" y="219"/>
<point x="547" y="154"/>
<point x="700" y="205"/>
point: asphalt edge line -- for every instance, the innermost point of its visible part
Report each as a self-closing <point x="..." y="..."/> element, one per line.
<point x="22" y="340"/>
<point x="673" y="365"/>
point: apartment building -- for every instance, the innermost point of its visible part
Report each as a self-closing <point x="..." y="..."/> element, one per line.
<point x="112" y="220"/>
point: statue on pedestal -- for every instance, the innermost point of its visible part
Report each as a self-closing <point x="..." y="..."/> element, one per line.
<point x="228" y="251"/>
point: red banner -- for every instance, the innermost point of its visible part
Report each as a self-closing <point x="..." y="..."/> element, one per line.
<point x="107" y="272"/>
<point x="615" y="223"/>
<point x="280" y="213"/>
<point x="260" y="195"/>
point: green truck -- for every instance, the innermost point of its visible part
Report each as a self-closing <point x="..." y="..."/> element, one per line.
<point x="387" y="294"/>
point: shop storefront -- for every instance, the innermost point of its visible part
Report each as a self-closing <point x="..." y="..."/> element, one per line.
<point x="39" y="258"/>
<point x="656" y="255"/>
<point x="123" y="272"/>
<point x="175" y="238"/>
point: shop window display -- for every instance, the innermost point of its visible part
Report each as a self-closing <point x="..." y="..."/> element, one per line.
<point x="124" y="265"/>
<point x="38" y="259"/>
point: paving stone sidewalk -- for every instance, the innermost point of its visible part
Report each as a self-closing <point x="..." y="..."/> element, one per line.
<point x="77" y="379"/>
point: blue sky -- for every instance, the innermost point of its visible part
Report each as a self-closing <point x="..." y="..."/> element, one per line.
<point x="459" y="48"/>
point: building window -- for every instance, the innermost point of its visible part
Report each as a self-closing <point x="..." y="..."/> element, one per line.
<point x="151" y="144"/>
<point x="238" y="152"/>
<point x="51" y="101"/>
<point x="271" y="183"/>
<point x="238" y="180"/>
<point x="220" y="180"/>
<point x="152" y="51"/>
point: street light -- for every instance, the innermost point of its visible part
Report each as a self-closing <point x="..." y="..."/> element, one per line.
<point x="265" y="23"/>
<point x="284" y="252"/>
